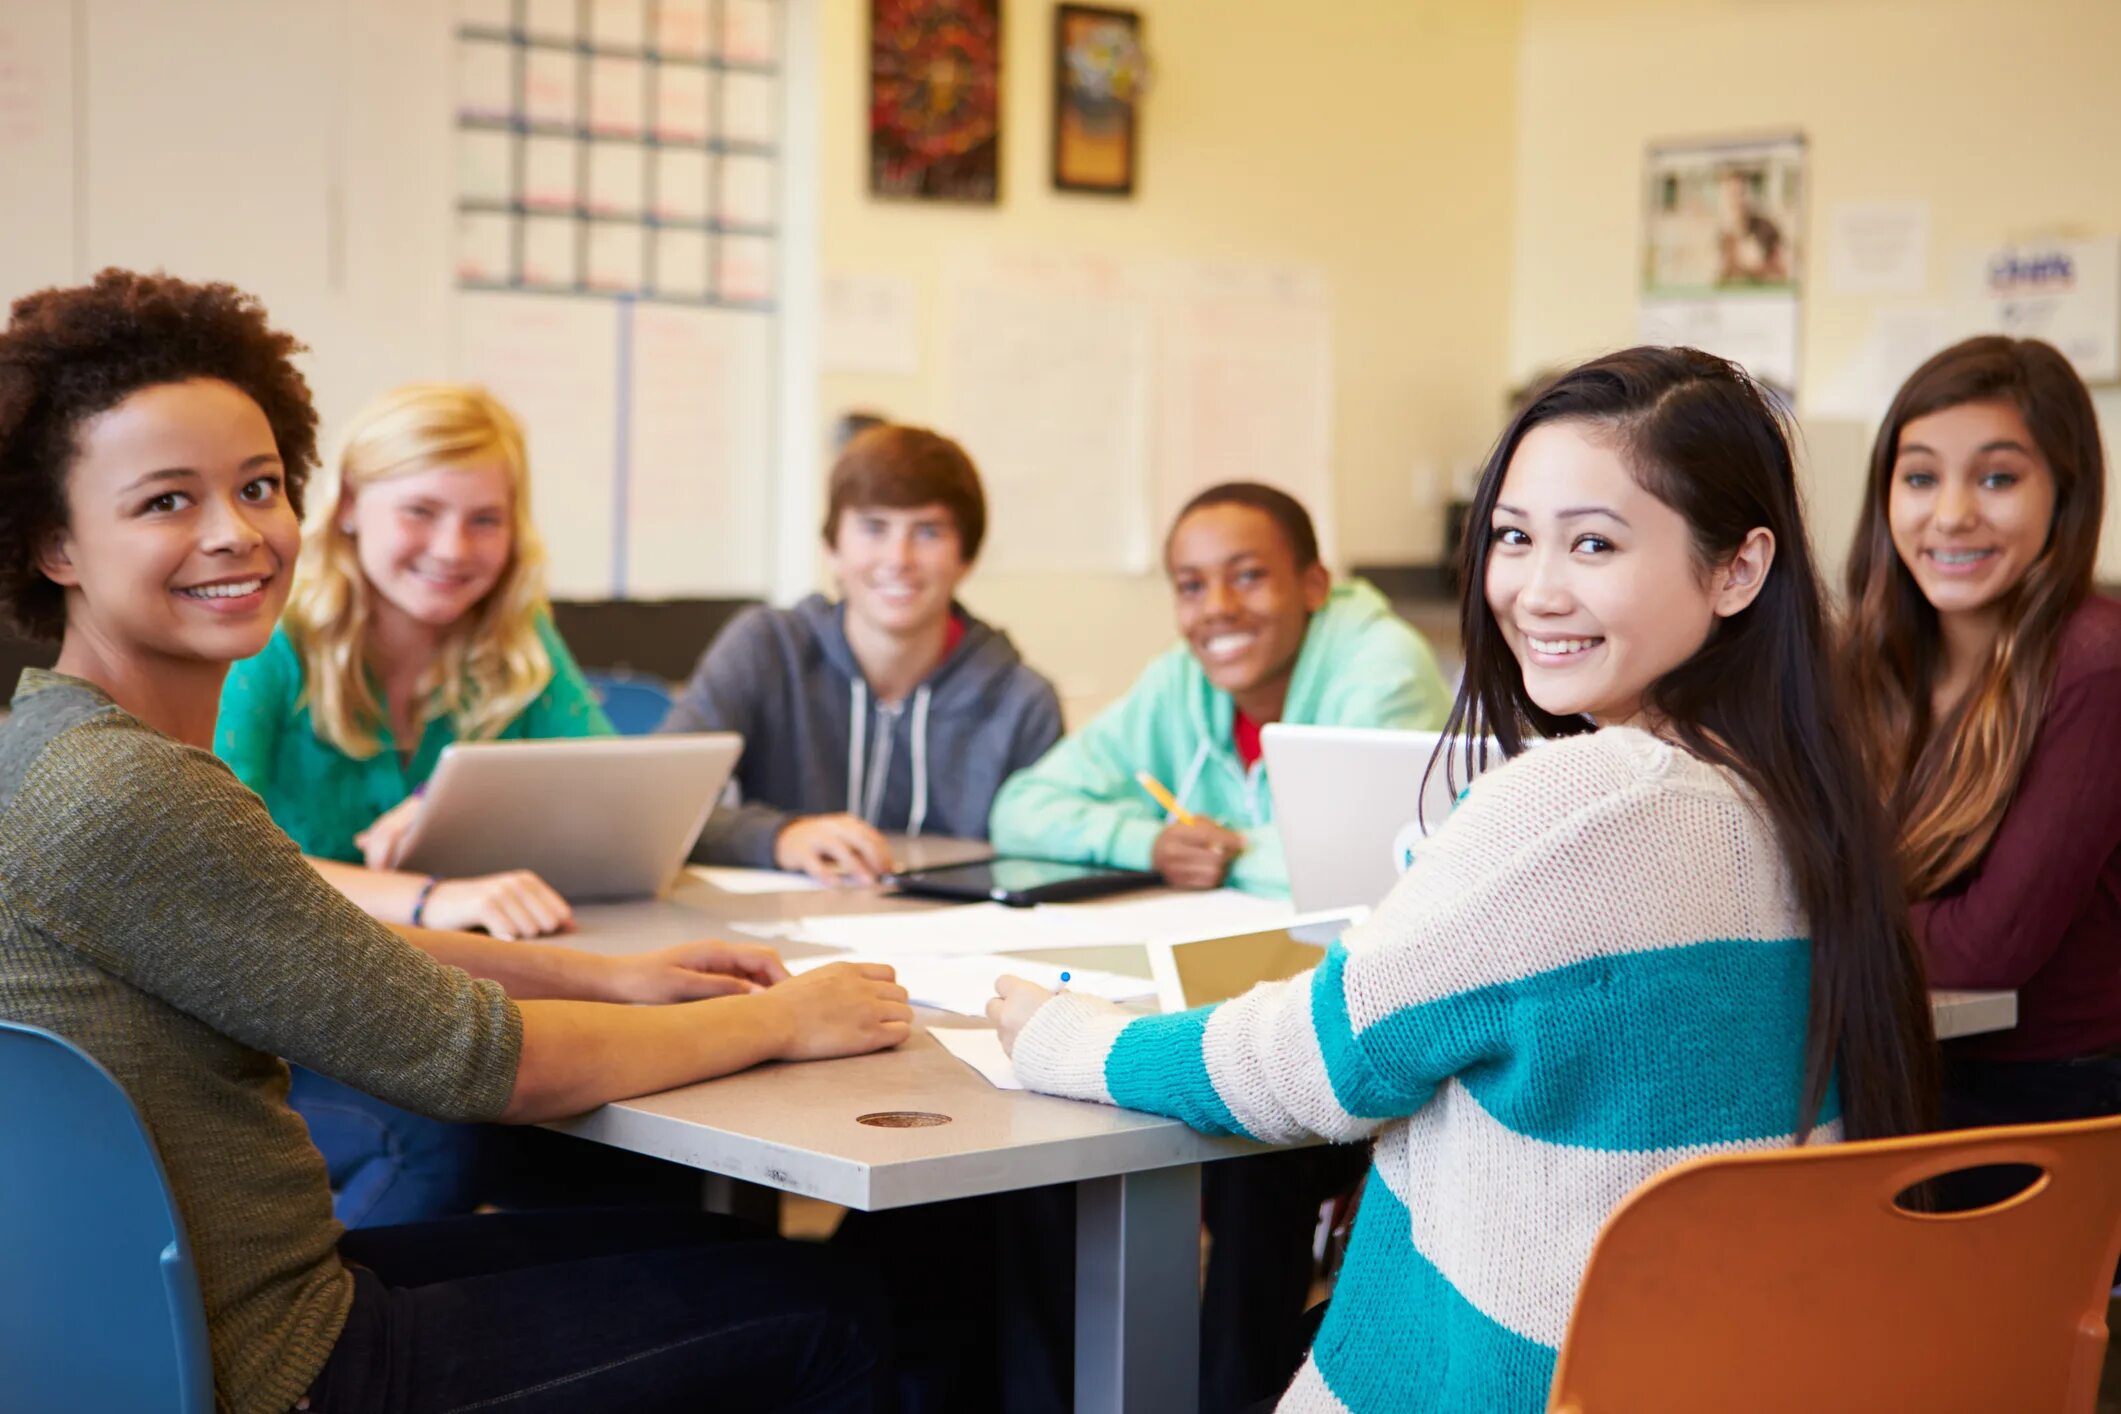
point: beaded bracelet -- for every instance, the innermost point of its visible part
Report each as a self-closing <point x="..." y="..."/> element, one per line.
<point x="419" y="903"/>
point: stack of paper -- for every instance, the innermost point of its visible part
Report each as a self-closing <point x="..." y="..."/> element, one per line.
<point x="987" y="928"/>
<point x="965" y="984"/>
<point x="981" y="1049"/>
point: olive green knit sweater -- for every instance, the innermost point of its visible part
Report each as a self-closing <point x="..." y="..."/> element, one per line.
<point x="151" y="913"/>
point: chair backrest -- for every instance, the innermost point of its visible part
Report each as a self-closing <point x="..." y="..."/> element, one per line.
<point x="1792" y="1279"/>
<point x="99" y="1301"/>
<point x="635" y="702"/>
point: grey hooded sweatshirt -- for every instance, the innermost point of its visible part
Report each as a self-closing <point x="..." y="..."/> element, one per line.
<point x="817" y="742"/>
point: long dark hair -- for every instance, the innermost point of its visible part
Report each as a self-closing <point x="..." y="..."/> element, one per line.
<point x="1952" y="778"/>
<point x="1758" y="699"/>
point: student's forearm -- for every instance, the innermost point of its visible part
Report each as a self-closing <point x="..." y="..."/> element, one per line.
<point x="578" y="1055"/>
<point x="526" y="971"/>
<point x="385" y="894"/>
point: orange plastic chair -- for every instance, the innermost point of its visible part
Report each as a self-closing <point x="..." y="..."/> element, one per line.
<point x="1791" y="1280"/>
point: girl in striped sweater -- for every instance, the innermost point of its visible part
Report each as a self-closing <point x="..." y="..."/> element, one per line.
<point x="1671" y="931"/>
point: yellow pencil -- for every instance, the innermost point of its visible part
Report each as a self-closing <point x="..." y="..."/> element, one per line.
<point x="1163" y="797"/>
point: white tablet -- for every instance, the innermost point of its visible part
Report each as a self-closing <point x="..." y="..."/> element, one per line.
<point x="1343" y="799"/>
<point x="595" y="817"/>
<point x="1193" y="972"/>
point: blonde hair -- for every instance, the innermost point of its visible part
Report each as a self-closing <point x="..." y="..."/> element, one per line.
<point x="491" y="663"/>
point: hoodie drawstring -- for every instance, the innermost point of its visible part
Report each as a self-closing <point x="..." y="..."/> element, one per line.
<point x="866" y="780"/>
<point x="857" y="731"/>
<point x="1192" y="776"/>
<point x="920" y="762"/>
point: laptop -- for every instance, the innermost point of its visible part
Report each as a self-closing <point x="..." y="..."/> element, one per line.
<point x="1193" y="972"/>
<point x="595" y="817"/>
<point x="1343" y="799"/>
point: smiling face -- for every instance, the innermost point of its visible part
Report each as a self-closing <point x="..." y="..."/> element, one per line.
<point x="1971" y="504"/>
<point x="1243" y="603"/>
<point x="433" y="543"/>
<point x="1595" y="583"/>
<point x="897" y="569"/>
<point x="180" y="539"/>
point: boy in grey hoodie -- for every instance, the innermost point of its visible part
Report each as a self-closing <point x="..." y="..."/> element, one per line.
<point x="891" y="710"/>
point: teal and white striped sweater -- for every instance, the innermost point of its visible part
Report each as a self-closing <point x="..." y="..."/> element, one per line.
<point x="1595" y="970"/>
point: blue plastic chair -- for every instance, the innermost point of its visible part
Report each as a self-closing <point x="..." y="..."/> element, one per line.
<point x="99" y="1301"/>
<point x="635" y="702"/>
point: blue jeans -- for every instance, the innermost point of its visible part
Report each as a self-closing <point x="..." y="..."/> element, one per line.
<point x="643" y="1311"/>
<point x="390" y="1166"/>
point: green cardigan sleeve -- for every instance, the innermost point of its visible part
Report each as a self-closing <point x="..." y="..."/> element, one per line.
<point x="257" y="704"/>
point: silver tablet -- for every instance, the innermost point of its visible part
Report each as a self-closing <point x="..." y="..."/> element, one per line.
<point x="1344" y="797"/>
<point x="595" y="817"/>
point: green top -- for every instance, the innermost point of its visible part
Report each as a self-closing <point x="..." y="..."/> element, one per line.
<point x="323" y="797"/>
<point x="1361" y="665"/>
<point x="152" y="914"/>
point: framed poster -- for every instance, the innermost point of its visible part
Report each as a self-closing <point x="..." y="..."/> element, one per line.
<point x="935" y="99"/>
<point x="1721" y="251"/>
<point x="1099" y="74"/>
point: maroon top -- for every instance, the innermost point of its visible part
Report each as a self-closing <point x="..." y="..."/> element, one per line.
<point x="2041" y="912"/>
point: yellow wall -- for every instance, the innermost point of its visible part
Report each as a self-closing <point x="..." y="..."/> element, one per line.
<point x="2003" y="115"/>
<point x="1370" y="138"/>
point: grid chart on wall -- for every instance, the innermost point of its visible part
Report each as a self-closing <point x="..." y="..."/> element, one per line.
<point x="620" y="148"/>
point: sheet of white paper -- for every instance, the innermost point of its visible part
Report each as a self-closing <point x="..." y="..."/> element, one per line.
<point x="548" y="254"/>
<point x="681" y="28"/>
<point x="753" y="881"/>
<point x="981" y="1049"/>
<point x="618" y="251"/>
<point x="750" y="107"/>
<point x="1048" y="370"/>
<point x="485" y="247"/>
<point x="550" y="19"/>
<point x="699" y="475"/>
<point x="618" y="96"/>
<point x="743" y="267"/>
<point x="551" y="93"/>
<point x="1878" y="247"/>
<point x="681" y="185"/>
<point x="2064" y="292"/>
<point x="869" y="324"/>
<point x="681" y="106"/>
<point x="747" y="190"/>
<point x="618" y="184"/>
<point x="749" y="32"/>
<point x="1244" y="385"/>
<point x="977" y="928"/>
<point x="618" y="24"/>
<point x="549" y="173"/>
<point x="485" y="167"/>
<point x="966" y="984"/>
<point x="485" y="79"/>
<point x="681" y="262"/>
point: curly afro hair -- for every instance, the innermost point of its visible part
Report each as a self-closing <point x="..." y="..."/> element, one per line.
<point x="68" y="355"/>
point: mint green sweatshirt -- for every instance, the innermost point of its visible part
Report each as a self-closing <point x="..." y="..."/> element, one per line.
<point x="1361" y="665"/>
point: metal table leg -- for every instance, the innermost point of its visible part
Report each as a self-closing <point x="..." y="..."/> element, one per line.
<point x="1137" y="1293"/>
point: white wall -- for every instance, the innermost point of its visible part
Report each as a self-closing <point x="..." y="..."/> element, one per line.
<point x="2002" y="115"/>
<point x="1369" y="138"/>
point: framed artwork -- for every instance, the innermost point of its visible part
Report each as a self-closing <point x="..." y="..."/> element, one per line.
<point x="935" y="99"/>
<point x="1099" y="75"/>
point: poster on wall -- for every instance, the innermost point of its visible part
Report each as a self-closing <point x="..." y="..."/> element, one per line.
<point x="1721" y="251"/>
<point x="1100" y="72"/>
<point x="2067" y="293"/>
<point x="935" y="80"/>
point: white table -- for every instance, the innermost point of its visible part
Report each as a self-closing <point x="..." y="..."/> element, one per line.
<point x="915" y="1125"/>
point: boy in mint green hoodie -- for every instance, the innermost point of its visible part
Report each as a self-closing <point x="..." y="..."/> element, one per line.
<point x="1268" y="638"/>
